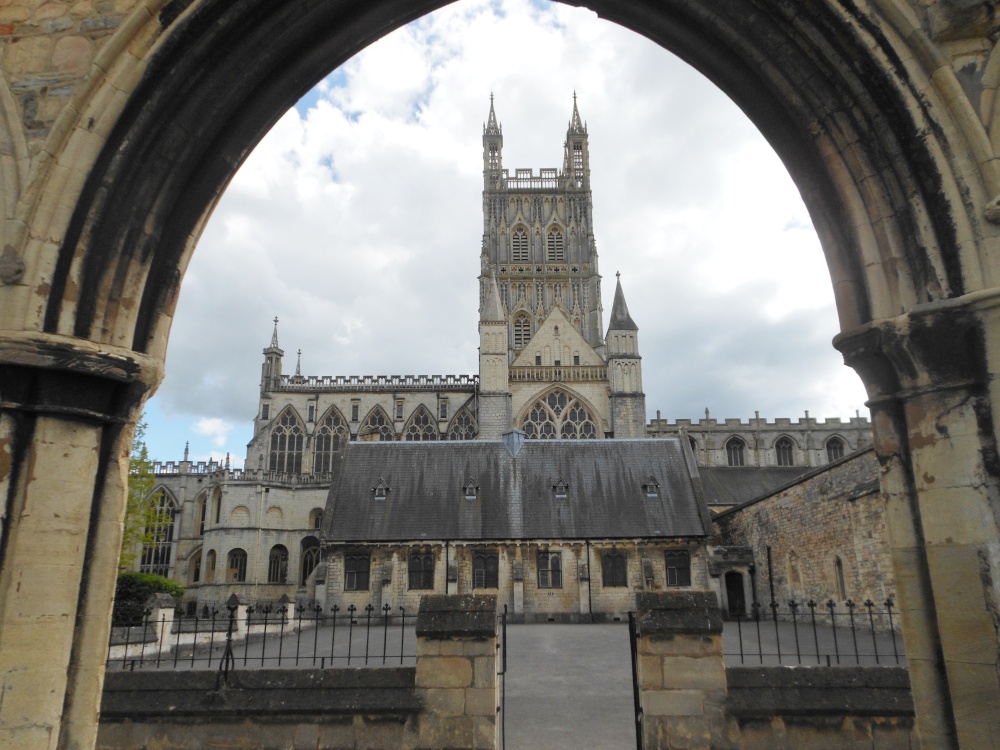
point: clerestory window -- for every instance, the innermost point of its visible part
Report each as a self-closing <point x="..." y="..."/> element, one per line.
<point x="784" y="450"/>
<point x="555" y="249"/>
<point x="519" y="246"/>
<point x="736" y="452"/>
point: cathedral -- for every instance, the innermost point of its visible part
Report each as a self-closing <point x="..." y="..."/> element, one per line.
<point x="530" y="490"/>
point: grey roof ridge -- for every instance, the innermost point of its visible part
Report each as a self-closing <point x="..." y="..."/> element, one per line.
<point x="801" y="478"/>
<point x="503" y="540"/>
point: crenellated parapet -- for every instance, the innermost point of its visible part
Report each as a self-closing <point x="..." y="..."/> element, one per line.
<point x="375" y="383"/>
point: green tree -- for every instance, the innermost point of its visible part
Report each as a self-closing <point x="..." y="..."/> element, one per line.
<point x="142" y="507"/>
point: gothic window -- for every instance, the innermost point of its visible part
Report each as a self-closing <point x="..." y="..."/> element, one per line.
<point x="331" y="433"/>
<point x="277" y="564"/>
<point x="356" y="570"/>
<point x="834" y="449"/>
<point x="519" y="246"/>
<point x="377" y="422"/>
<point x="550" y="570"/>
<point x="559" y="415"/>
<point x="315" y="518"/>
<point x="265" y="411"/>
<point x="678" y="567"/>
<point x="236" y="566"/>
<point x="613" y="569"/>
<point x="399" y="408"/>
<point x="463" y="426"/>
<point x="784" y="450"/>
<point x="578" y="163"/>
<point x="201" y="511"/>
<point x="195" y="562"/>
<point x="735" y="452"/>
<point x="421" y="426"/>
<point x="287" y="437"/>
<point x="485" y="570"/>
<point x="217" y="503"/>
<point x="312" y="412"/>
<point x="310" y="558"/>
<point x="354" y="412"/>
<point x="422" y="570"/>
<point x="522" y="331"/>
<point x="210" y="566"/>
<point x="443" y="408"/>
<point x="157" y="553"/>
<point x="555" y="248"/>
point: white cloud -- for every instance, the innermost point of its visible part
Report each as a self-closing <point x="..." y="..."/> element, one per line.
<point x="358" y="222"/>
<point x="214" y="428"/>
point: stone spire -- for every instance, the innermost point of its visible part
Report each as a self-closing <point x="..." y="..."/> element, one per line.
<point x="492" y="306"/>
<point x="576" y="124"/>
<point x="492" y="127"/>
<point x="620" y="319"/>
<point x="274" y="336"/>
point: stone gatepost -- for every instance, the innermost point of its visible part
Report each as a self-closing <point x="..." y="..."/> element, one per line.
<point x="161" y="616"/>
<point x="682" y="677"/>
<point x="457" y="672"/>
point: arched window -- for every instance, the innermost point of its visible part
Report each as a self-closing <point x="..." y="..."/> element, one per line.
<point x="217" y="505"/>
<point x="277" y="564"/>
<point x="201" y="513"/>
<point x="315" y="518"/>
<point x="421" y="426"/>
<point x="559" y="415"/>
<point x="555" y="247"/>
<point x="678" y="567"/>
<point x="485" y="570"/>
<point x="194" y="567"/>
<point x="310" y="558"/>
<point x="331" y="433"/>
<point x="519" y="246"/>
<point x="735" y="452"/>
<point x="236" y="566"/>
<point x="784" y="451"/>
<point x="614" y="569"/>
<point x="834" y="449"/>
<point x="422" y="570"/>
<point x="377" y="423"/>
<point x="157" y="552"/>
<point x="550" y="570"/>
<point x="210" y="566"/>
<point x="356" y="571"/>
<point x="287" y="436"/>
<point x="522" y="331"/>
<point x="463" y="426"/>
<point x="838" y="572"/>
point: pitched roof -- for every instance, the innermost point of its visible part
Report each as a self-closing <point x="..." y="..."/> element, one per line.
<point x="732" y="485"/>
<point x="620" y="319"/>
<point x="492" y="307"/>
<point x="516" y="496"/>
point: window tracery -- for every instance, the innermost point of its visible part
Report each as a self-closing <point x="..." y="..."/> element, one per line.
<point x="157" y="554"/>
<point x="287" y="436"/>
<point x="834" y="449"/>
<point x="555" y="246"/>
<point x="463" y="426"/>
<point x="522" y="331"/>
<point x="310" y="558"/>
<point x="331" y="433"/>
<point x="277" y="564"/>
<point x="378" y="422"/>
<point x="559" y="415"/>
<point x="735" y="452"/>
<point x="421" y="426"/>
<point x="784" y="451"/>
<point x="236" y="566"/>
<point x="519" y="246"/>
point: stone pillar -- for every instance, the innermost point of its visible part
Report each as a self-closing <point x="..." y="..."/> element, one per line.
<point x="934" y="398"/>
<point x="682" y="677"/>
<point x="161" y="617"/>
<point x="65" y="434"/>
<point x="457" y="672"/>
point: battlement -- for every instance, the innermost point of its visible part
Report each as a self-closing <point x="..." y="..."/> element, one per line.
<point x="779" y="423"/>
<point x="526" y="179"/>
<point x="564" y="374"/>
<point x="374" y="383"/>
<point x="187" y="467"/>
<point x="218" y="470"/>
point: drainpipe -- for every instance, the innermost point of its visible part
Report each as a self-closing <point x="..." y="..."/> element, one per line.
<point x="446" y="563"/>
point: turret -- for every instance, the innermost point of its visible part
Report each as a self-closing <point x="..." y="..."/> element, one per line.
<point x="576" y="161"/>
<point x="628" y="402"/>
<point x="494" y="388"/>
<point x="271" y="370"/>
<point x="492" y="150"/>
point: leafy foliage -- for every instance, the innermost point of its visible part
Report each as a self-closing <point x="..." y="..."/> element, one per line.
<point x="132" y="592"/>
<point x="142" y="508"/>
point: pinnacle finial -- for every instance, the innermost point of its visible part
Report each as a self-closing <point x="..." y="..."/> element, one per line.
<point x="187" y="449"/>
<point x="618" y="274"/>
<point x="274" y="336"/>
<point x="492" y="127"/>
<point x="298" y="364"/>
<point x="576" y="122"/>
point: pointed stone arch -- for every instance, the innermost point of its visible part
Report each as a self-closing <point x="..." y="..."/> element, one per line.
<point x="464" y="425"/>
<point x="421" y="426"/>
<point x="557" y="413"/>
<point x="785" y="449"/>
<point x="377" y="426"/>
<point x="286" y="443"/>
<point x="159" y="551"/>
<point x="330" y="434"/>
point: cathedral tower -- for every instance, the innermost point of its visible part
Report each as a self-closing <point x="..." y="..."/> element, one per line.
<point x="628" y="402"/>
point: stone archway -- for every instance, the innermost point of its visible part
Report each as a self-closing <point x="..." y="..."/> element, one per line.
<point x="888" y="135"/>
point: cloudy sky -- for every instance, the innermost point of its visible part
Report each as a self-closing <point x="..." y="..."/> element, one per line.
<point x="358" y="222"/>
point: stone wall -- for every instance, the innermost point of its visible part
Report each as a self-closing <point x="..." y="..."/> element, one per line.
<point x="834" y="513"/>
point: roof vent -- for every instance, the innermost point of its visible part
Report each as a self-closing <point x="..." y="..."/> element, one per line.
<point x="471" y="490"/>
<point x="381" y="489"/>
<point x="561" y="489"/>
<point x="651" y="488"/>
<point x="514" y="440"/>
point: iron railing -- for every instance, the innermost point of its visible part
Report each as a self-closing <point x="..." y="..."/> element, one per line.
<point x="502" y="676"/>
<point x="813" y="633"/>
<point x="267" y="636"/>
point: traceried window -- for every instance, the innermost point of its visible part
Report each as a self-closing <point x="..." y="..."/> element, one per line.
<point x="331" y="433"/>
<point x="315" y="518"/>
<point x="519" y="246"/>
<point x="555" y="249"/>
<point x="550" y="570"/>
<point x="522" y="331"/>
<point x="422" y="570"/>
<point x="784" y="450"/>
<point x="158" y="552"/>
<point x="614" y="569"/>
<point x="834" y="449"/>
<point x="356" y="571"/>
<point x="310" y="558"/>
<point x="485" y="570"/>
<point x="736" y="452"/>
<point x="578" y="164"/>
<point x="236" y="566"/>
<point x="463" y="426"/>
<point x="559" y="415"/>
<point x="287" y="437"/>
<point x="421" y="426"/>
<point x="678" y="567"/>
<point x="277" y="564"/>
<point x="378" y="422"/>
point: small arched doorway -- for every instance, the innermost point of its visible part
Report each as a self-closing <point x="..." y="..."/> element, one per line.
<point x="736" y="603"/>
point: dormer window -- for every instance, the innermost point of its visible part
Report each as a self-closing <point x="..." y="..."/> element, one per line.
<point x="561" y="489"/>
<point x="381" y="489"/>
<point x="651" y="488"/>
<point x="471" y="490"/>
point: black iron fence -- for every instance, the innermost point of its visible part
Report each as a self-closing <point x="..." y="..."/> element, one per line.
<point x="267" y="636"/>
<point x="815" y="633"/>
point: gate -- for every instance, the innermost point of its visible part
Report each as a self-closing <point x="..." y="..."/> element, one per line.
<point x="633" y="637"/>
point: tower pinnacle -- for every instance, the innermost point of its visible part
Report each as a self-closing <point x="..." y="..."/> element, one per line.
<point x="274" y="336"/>
<point x="492" y="127"/>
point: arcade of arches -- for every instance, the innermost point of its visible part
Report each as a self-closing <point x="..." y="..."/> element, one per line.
<point x="120" y="124"/>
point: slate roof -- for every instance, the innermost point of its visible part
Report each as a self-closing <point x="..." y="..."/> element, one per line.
<point x="620" y="318"/>
<point x="604" y="499"/>
<point x="732" y="485"/>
